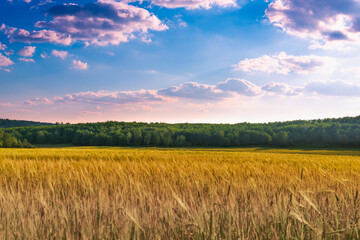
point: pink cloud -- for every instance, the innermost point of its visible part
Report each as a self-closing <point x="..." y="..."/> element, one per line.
<point x="2" y="46"/>
<point x="44" y="55"/>
<point x="274" y="88"/>
<point x="79" y="65"/>
<point x="27" y="51"/>
<point x="113" y="98"/>
<point x="42" y="36"/>
<point x="28" y="60"/>
<point x="60" y="54"/>
<point x="240" y="86"/>
<point x="7" y="104"/>
<point x="193" y="4"/>
<point x="27" y="1"/>
<point x="103" y="98"/>
<point x="197" y="95"/>
<point x="38" y="101"/>
<point x="4" y="61"/>
<point x="103" y="22"/>
<point x="194" y="90"/>
<point x="239" y="98"/>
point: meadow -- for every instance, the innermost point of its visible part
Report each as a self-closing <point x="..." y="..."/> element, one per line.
<point x="154" y="193"/>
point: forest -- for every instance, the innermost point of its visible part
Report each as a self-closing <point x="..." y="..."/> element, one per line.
<point x="340" y="132"/>
<point x="7" y="123"/>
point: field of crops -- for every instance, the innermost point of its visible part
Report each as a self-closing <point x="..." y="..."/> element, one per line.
<point x="119" y="193"/>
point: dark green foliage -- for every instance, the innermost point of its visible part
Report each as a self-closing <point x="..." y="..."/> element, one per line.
<point x="180" y="140"/>
<point x="343" y="132"/>
<point x="11" y="140"/>
<point x="7" y="123"/>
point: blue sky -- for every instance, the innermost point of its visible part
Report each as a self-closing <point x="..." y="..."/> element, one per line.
<point x="179" y="60"/>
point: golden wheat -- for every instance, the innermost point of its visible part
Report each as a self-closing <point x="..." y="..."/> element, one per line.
<point x="119" y="193"/>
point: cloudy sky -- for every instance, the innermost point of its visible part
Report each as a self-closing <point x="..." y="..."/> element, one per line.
<point x="179" y="60"/>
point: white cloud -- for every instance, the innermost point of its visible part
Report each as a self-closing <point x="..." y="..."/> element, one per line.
<point x="41" y="36"/>
<point x="60" y="54"/>
<point x="27" y="51"/>
<point x="194" y="90"/>
<point x="79" y="65"/>
<point x="327" y="23"/>
<point x="281" y="63"/>
<point x="240" y="86"/>
<point x="27" y="1"/>
<point x="103" y="97"/>
<point x="202" y="95"/>
<point x="193" y="4"/>
<point x="38" y="101"/>
<point x="275" y="88"/>
<point x="101" y="23"/>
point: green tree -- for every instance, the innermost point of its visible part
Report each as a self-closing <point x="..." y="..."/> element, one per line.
<point x="180" y="140"/>
<point x="282" y="139"/>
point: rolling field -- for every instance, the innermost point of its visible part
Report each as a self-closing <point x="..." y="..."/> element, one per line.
<point x="150" y="193"/>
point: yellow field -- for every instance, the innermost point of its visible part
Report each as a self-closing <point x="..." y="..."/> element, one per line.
<point x="119" y="193"/>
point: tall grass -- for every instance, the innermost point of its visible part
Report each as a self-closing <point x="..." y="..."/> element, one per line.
<point x="87" y="193"/>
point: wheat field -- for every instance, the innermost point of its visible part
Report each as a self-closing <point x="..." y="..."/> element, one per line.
<point x="150" y="193"/>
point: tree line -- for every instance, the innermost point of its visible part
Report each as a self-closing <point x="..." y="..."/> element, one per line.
<point x="343" y="132"/>
<point x="7" y="123"/>
<point x="8" y="140"/>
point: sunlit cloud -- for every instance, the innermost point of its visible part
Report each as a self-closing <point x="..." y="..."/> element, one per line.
<point x="5" y="61"/>
<point x="281" y="63"/>
<point x="27" y="1"/>
<point x="79" y="65"/>
<point x="194" y="4"/>
<point x="27" y="51"/>
<point x="60" y="54"/>
<point x="99" y="23"/>
<point x="41" y="36"/>
<point x="38" y="101"/>
<point x="111" y="98"/>
<point x="194" y="90"/>
<point x="240" y="99"/>
<point x="275" y="88"/>
<point x="240" y="86"/>
<point x="326" y="23"/>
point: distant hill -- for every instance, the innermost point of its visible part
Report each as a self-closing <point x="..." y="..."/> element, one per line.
<point x="7" y="123"/>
